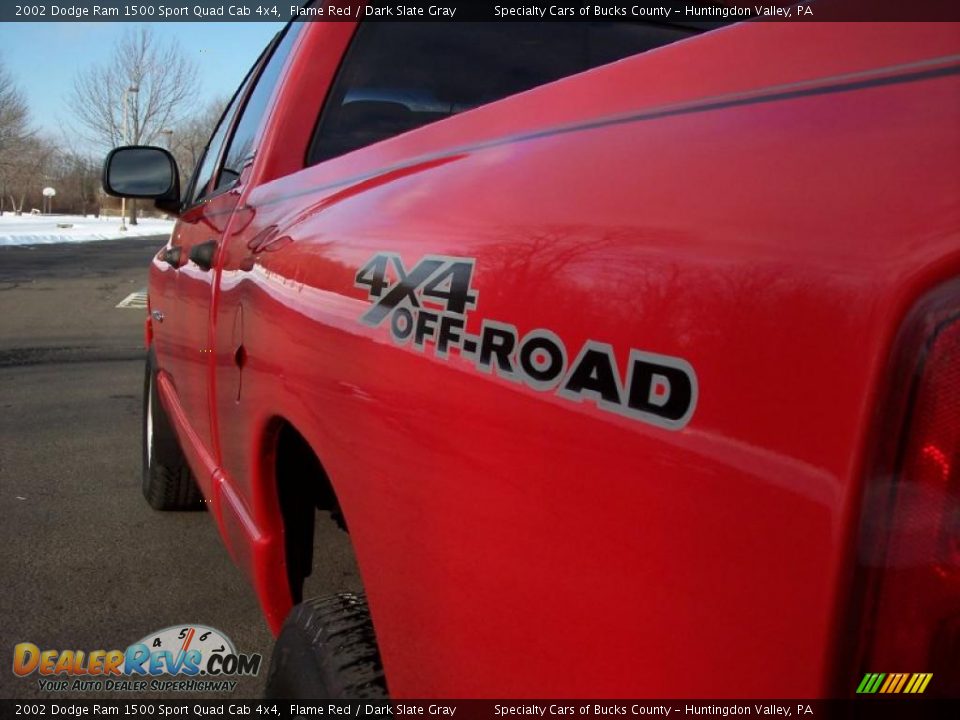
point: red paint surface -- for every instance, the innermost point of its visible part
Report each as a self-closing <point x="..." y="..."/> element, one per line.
<point x="513" y="543"/>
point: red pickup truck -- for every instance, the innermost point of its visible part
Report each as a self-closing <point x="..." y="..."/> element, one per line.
<point x="627" y="355"/>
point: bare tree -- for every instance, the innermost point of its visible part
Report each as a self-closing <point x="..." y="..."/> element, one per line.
<point x="190" y="136"/>
<point x="14" y="113"/>
<point x="15" y="129"/>
<point x="157" y="79"/>
<point x="76" y="177"/>
<point x="26" y="171"/>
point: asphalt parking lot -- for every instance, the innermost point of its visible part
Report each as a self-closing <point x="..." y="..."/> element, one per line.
<point x="86" y="564"/>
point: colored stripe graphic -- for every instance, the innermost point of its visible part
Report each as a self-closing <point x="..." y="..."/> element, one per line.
<point x="868" y="682"/>
<point x="903" y="681"/>
<point x="894" y="683"/>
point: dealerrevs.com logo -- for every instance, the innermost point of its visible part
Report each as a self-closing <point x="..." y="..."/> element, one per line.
<point x="181" y="658"/>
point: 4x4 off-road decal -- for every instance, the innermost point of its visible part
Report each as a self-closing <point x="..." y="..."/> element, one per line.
<point x="428" y="305"/>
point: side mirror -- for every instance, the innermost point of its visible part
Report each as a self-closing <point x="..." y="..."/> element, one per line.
<point x="140" y="171"/>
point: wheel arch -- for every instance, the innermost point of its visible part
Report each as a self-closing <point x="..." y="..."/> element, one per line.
<point x="294" y="486"/>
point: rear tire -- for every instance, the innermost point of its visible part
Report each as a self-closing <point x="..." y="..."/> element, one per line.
<point x="167" y="481"/>
<point x="327" y="650"/>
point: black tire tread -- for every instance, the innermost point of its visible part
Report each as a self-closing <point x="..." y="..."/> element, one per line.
<point x="172" y="488"/>
<point x="338" y="633"/>
<point x="168" y="483"/>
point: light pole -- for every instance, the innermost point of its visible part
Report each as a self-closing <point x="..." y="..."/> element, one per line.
<point x="134" y="88"/>
<point x="169" y="135"/>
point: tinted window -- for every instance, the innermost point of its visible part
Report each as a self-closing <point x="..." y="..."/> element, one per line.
<point x="205" y="168"/>
<point x="399" y="76"/>
<point x="241" y="146"/>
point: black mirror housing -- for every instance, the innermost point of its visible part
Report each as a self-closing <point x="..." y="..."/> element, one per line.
<point x="143" y="171"/>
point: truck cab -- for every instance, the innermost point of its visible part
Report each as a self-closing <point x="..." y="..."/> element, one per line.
<point x="624" y="353"/>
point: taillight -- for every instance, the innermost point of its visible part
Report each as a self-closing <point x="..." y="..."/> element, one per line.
<point x="908" y="612"/>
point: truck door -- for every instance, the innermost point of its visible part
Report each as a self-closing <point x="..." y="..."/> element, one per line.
<point x="184" y="297"/>
<point x="234" y="173"/>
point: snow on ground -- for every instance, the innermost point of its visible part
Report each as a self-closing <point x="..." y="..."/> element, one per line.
<point x="36" y="229"/>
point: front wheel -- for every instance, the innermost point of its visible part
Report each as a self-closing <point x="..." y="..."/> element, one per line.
<point x="168" y="483"/>
<point x="327" y="650"/>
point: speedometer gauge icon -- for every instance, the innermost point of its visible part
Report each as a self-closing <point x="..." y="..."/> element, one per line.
<point x="181" y="639"/>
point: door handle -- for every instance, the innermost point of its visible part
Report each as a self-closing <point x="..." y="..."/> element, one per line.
<point x="203" y="254"/>
<point x="171" y="256"/>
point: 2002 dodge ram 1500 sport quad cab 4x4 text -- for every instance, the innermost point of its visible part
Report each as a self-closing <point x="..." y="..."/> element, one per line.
<point x="625" y="355"/>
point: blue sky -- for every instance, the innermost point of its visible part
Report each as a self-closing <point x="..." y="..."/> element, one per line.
<point x="44" y="57"/>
